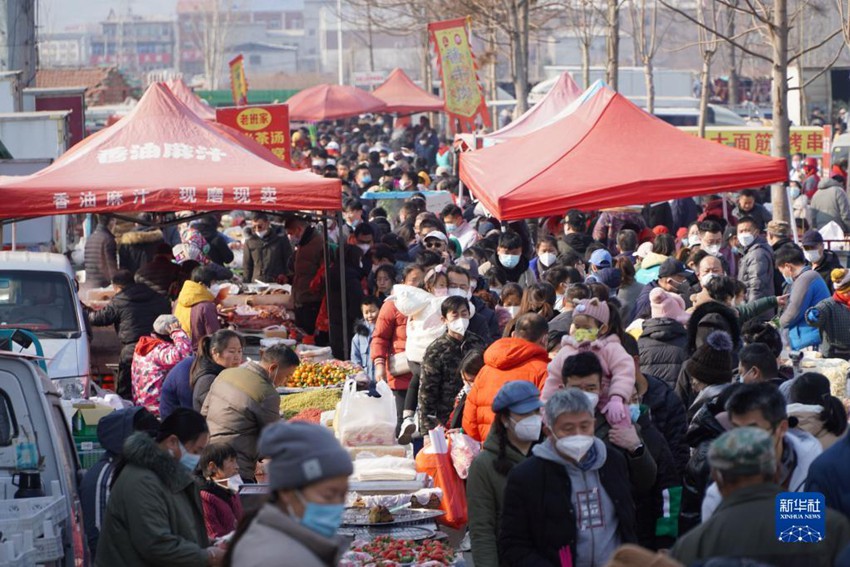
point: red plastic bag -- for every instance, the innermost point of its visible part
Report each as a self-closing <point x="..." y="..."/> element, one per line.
<point x="453" y="503"/>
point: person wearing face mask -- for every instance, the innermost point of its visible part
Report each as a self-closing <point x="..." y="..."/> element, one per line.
<point x="570" y="502"/>
<point x="267" y="251"/>
<point x="807" y="290"/>
<point x="154" y="515"/>
<point x="470" y="366"/>
<point x="673" y="278"/>
<point x="309" y="253"/>
<point x="222" y="349"/>
<point x="220" y="480"/>
<point x="363" y="179"/>
<point x="308" y="477"/>
<point x="509" y="258"/>
<point x="483" y="321"/>
<point x="711" y="240"/>
<point x="517" y="427"/>
<point x="352" y="214"/>
<point x="242" y="400"/>
<point x="823" y="261"/>
<point x="547" y="255"/>
<point x="440" y="380"/>
<point x="458" y="228"/>
<point x="756" y="267"/>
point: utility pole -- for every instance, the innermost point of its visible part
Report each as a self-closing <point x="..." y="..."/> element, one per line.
<point x="339" y="41"/>
<point x="18" y="50"/>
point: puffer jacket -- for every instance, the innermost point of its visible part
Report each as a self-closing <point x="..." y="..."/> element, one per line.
<point x="241" y="402"/>
<point x="159" y="274"/>
<point x="610" y="223"/>
<point x="132" y="311"/>
<point x="152" y="360"/>
<point x="505" y="360"/>
<point x="154" y="515"/>
<point x="830" y="203"/>
<point x="662" y="348"/>
<point x="266" y="258"/>
<point x="440" y="379"/>
<point x="201" y="378"/>
<point x="219" y="250"/>
<point x="222" y="509"/>
<point x="709" y="317"/>
<point x="308" y="259"/>
<point x="138" y="247"/>
<point x="649" y="267"/>
<point x="360" y="347"/>
<point x="668" y="414"/>
<point x="195" y="309"/>
<point x="618" y="368"/>
<point x="100" y="257"/>
<point x="756" y="271"/>
<point x="424" y="319"/>
<point x="388" y="338"/>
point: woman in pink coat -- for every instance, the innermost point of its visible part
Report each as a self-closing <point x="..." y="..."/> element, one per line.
<point x="597" y="328"/>
<point x="154" y="356"/>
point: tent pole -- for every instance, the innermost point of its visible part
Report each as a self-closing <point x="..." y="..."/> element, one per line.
<point x="343" y="291"/>
<point x="326" y="251"/>
<point x="14" y="236"/>
<point x="725" y="212"/>
<point x="791" y="214"/>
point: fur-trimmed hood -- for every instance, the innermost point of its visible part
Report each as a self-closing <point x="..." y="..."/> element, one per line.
<point x="720" y="317"/>
<point x="141" y="237"/>
<point x="142" y="451"/>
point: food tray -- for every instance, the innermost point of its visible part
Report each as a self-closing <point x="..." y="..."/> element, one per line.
<point x="359" y="517"/>
<point x="416" y="533"/>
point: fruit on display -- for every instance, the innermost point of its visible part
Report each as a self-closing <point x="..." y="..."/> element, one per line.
<point x="386" y="551"/>
<point x="318" y="374"/>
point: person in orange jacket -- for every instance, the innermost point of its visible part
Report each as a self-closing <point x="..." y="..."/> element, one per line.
<point x="522" y="356"/>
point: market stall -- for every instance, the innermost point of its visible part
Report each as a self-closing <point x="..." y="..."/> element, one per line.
<point x="403" y="96"/>
<point x="332" y="102"/>
<point x="607" y="153"/>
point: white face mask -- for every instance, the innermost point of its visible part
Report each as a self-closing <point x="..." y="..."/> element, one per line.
<point x="594" y="398"/>
<point x="456" y="291"/>
<point x="232" y="484"/>
<point x="575" y="447"/>
<point x="548" y="258"/>
<point x="261" y="233"/>
<point x="458" y="326"/>
<point x="513" y="310"/>
<point x="745" y="238"/>
<point x="365" y="247"/>
<point x="713" y="249"/>
<point x="528" y="429"/>
<point x="813" y="256"/>
<point x="703" y="281"/>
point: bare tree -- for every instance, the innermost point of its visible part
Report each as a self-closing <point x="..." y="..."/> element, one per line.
<point x="585" y="17"/>
<point x="708" y="42"/>
<point x="645" y="33"/>
<point x="209" y="27"/>
<point x="612" y="43"/>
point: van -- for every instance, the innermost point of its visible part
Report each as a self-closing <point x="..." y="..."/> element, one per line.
<point x="31" y="413"/>
<point x="38" y="293"/>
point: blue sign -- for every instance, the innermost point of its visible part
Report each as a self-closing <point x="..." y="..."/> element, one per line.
<point x="800" y="517"/>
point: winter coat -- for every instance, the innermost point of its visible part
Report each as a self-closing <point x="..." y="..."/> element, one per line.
<point x="662" y="347"/>
<point x="829" y="204"/>
<point x="743" y="527"/>
<point x="195" y="309"/>
<point x="138" y="247"/>
<point x="112" y="430"/>
<point x="618" y="368"/>
<point x="275" y="538"/>
<point x="440" y="379"/>
<point x="649" y="268"/>
<point x="756" y="271"/>
<point x="159" y="274"/>
<point x="100" y="257"/>
<point x="241" y="402"/>
<point x="828" y="474"/>
<point x="628" y="295"/>
<point x="222" y="510"/>
<point x="758" y="212"/>
<point x="360" y="343"/>
<point x="201" y="378"/>
<point x="522" y="274"/>
<point x="152" y="360"/>
<point x="505" y="360"/>
<point x="807" y="291"/>
<point x="484" y="322"/>
<point x="485" y="493"/>
<point x="388" y="338"/>
<point x="154" y="514"/>
<point x="609" y="224"/>
<point x="308" y="257"/>
<point x="828" y="263"/>
<point x="176" y="391"/>
<point x="466" y="235"/>
<point x="709" y="317"/>
<point x="574" y="242"/>
<point x="833" y="320"/>
<point x="685" y="211"/>
<point x="812" y="423"/>
<point x="753" y="309"/>
<point x="424" y="318"/>
<point x="668" y="414"/>
<point x="642" y="467"/>
<point x="539" y="516"/>
<point x="643" y="306"/>
<point x="219" y="251"/>
<point x="266" y="258"/>
<point x="132" y="311"/>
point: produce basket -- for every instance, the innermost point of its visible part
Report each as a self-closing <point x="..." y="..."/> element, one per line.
<point x="48" y="549"/>
<point x="88" y="459"/>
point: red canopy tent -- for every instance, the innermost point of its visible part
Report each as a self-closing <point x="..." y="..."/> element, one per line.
<point x="331" y="102"/>
<point x="607" y="153"/>
<point x="184" y="94"/>
<point x="563" y="92"/>
<point x="403" y="96"/>
<point x="162" y="157"/>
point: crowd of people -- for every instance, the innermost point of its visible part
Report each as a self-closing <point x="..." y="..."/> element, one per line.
<point x="626" y="371"/>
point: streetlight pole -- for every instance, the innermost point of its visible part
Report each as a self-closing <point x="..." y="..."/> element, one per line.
<point x="339" y="40"/>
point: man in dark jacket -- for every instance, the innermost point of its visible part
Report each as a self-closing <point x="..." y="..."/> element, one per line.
<point x="822" y="260"/>
<point x="112" y="431"/>
<point x="673" y="278"/>
<point x="132" y="310"/>
<point x="161" y="272"/>
<point x="483" y="323"/>
<point x="267" y="251"/>
<point x="139" y="246"/>
<point x="748" y="206"/>
<point x="575" y="237"/>
<point x="219" y="252"/>
<point x="828" y="474"/>
<point x="309" y="247"/>
<point x="571" y="498"/>
<point x="662" y="345"/>
<point x="756" y="269"/>
<point x="101" y="256"/>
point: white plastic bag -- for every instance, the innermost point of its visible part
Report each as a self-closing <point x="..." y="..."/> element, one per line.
<point x="364" y="420"/>
<point x="464" y="450"/>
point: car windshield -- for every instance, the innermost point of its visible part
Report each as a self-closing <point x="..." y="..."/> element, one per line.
<point x="42" y="302"/>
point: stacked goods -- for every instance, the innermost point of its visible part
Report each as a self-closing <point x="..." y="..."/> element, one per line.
<point x="319" y="374"/>
<point x="321" y="400"/>
<point x="385" y="551"/>
<point x="835" y="369"/>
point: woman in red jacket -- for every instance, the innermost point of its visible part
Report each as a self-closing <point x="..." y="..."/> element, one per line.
<point x="222" y="508"/>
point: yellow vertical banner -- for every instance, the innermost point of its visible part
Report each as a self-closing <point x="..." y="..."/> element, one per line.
<point x="238" y="82"/>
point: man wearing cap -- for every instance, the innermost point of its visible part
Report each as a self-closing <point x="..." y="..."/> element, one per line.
<point x="308" y="477"/>
<point x="743" y="463"/>
<point x="756" y="269"/>
<point x="672" y="277"/>
<point x="822" y="260"/>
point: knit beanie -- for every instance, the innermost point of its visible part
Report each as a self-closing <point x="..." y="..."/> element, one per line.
<point x="712" y="362"/>
<point x="840" y="279"/>
<point x="668" y="305"/>
<point x="594" y="309"/>
<point x="302" y="454"/>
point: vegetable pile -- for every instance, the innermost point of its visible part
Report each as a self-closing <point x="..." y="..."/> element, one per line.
<point x="317" y="374"/>
<point x="385" y="551"/>
<point x="322" y="400"/>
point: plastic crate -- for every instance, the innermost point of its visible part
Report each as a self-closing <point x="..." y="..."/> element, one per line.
<point x="48" y="549"/>
<point x="18" y="551"/>
<point x="89" y="458"/>
<point x="30" y="514"/>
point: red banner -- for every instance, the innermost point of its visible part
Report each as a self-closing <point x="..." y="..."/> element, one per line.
<point x="238" y="82"/>
<point x="267" y="124"/>
<point x="461" y="89"/>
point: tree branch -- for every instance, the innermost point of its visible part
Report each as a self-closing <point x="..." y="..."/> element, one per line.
<point x="823" y="70"/>
<point x="811" y="48"/>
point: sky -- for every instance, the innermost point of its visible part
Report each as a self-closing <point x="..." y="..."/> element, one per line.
<point x="56" y="15"/>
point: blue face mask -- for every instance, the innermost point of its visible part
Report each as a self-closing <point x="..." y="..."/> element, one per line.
<point x="788" y="279"/>
<point x="634" y="412"/>
<point x="324" y="519"/>
<point x="187" y="459"/>
<point x="509" y="260"/>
